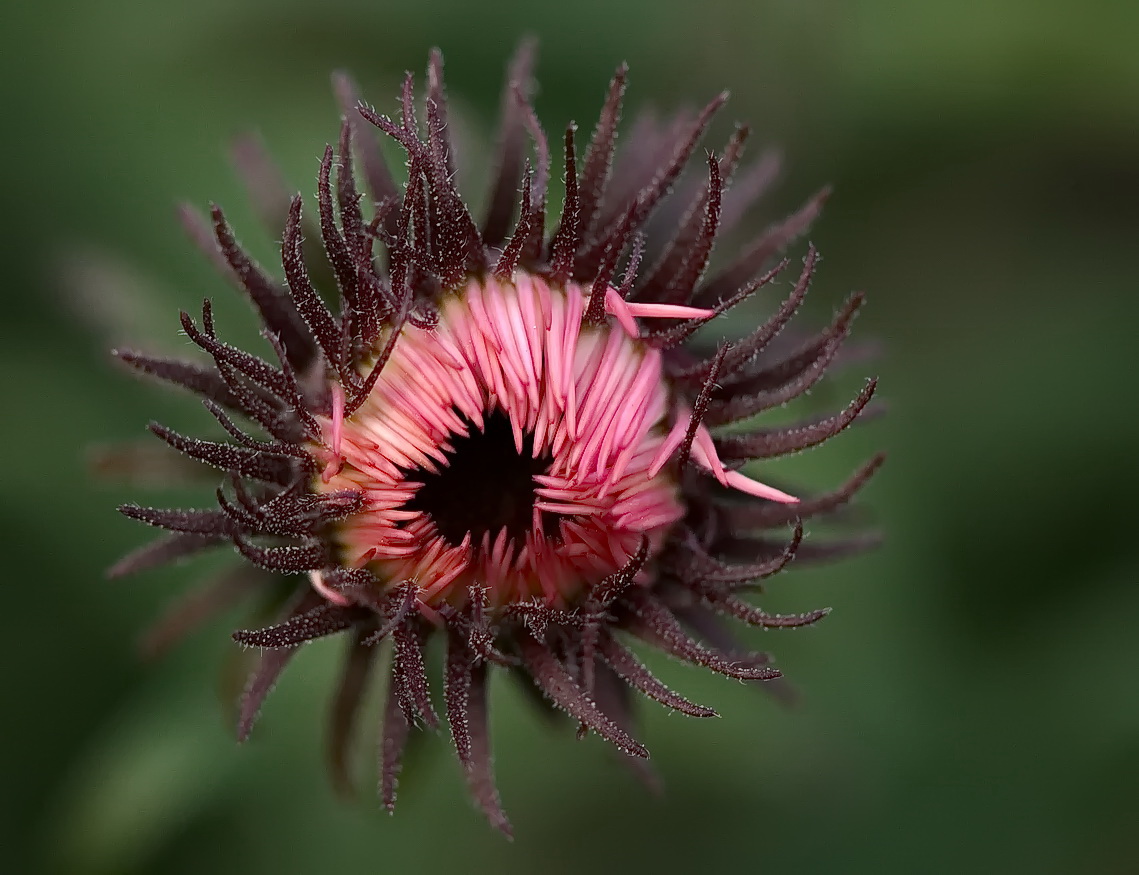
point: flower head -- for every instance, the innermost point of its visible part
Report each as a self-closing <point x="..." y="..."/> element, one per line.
<point x="500" y="437"/>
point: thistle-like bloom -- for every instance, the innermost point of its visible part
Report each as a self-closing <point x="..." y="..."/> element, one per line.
<point x="503" y="437"/>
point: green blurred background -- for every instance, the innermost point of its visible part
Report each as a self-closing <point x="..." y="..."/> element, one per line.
<point x="970" y="706"/>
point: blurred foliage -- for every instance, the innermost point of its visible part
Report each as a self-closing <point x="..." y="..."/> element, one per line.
<point x="970" y="706"/>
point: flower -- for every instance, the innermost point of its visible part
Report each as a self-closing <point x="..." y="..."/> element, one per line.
<point x="503" y="438"/>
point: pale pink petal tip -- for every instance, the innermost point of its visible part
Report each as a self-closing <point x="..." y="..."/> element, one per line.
<point x="336" y="434"/>
<point x="761" y="490"/>
<point x="325" y="590"/>
<point x="704" y="452"/>
<point x="669" y="311"/>
<point x="627" y="312"/>
<point x="617" y="306"/>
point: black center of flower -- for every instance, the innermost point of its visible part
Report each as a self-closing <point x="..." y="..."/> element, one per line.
<point x="487" y="485"/>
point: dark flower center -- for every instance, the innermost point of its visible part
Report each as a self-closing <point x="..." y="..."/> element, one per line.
<point x="487" y="485"/>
